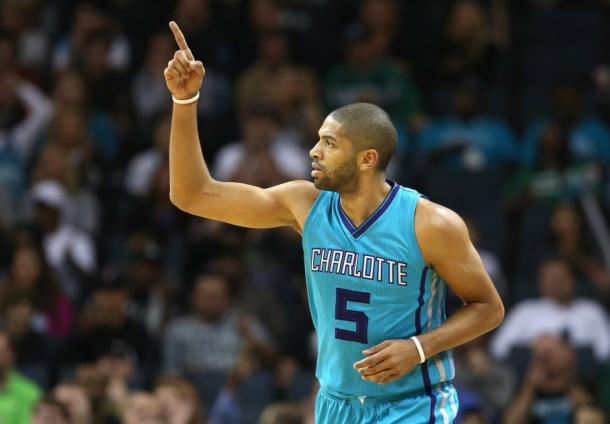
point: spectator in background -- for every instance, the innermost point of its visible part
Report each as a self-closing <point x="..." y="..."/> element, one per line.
<point x="368" y="75"/>
<point x="91" y="17"/>
<point x="69" y="251"/>
<point x="82" y="207"/>
<point x="568" y="237"/>
<point x="551" y="391"/>
<point x="179" y="400"/>
<point x="23" y="20"/>
<point x="273" y="52"/>
<point x="70" y="92"/>
<point x="557" y="311"/>
<point x="24" y="109"/>
<point x="381" y="19"/>
<point x="554" y="176"/>
<point x="143" y="408"/>
<point x="491" y="261"/>
<point x="282" y="413"/>
<point x="31" y="278"/>
<point x="68" y="131"/>
<point x="588" y="137"/>
<point x="251" y="290"/>
<point x="105" y="84"/>
<point x="148" y="286"/>
<point x="149" y="92"/>
<point x="105" y="328"/>
<point x="468" y="139"/>
<point x="118" y="367"/>
<point x="471" y="43"/>
<point x="143" y="167"/>
<point x="265" y="16"/>
<point x="263" y="158"/>
<point x="24" y="113"/>
<point x="226" y="407"/>
<point x="50" y="411"/>
<point x="212" y="336"/>
<point x="76" y="401"/>
<point x="590" y="414"/>
<point x="34" y="351"/>
<point x="155" y="213"/>
<point x="492" y="383"/>
<point x="105" y="390"/>
<point x="18" y="395"/>
<point x="294" y="94"/>
<point x="208" y="240"/>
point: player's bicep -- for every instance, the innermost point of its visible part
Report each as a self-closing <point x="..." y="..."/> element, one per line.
<point x="446" y="246"/>
<point x="465" y="274"/>
<point x="246" y="205"/>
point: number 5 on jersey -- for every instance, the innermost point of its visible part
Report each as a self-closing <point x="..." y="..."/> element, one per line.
<point x="360" y="335"/>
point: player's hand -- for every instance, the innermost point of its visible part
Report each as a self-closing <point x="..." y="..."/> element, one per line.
<point x="184" y="74"/>
<point x="388" y="361"/>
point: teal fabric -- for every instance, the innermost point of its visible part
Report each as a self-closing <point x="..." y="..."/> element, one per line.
<point x="438" y="406"/>
<point x="370" y="284"/>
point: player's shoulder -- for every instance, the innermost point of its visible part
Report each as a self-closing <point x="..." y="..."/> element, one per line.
<point x="298" y="197"/>
<point x="435" y="218"/>
<point x="439" y="231"/>
<point x="298" y="191"/>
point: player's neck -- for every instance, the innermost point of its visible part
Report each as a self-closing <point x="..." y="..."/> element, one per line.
<point x="359" y="205"/>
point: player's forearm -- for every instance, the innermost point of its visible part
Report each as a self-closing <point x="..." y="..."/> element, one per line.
<point x="188" y="173"/>
<point x="467" y="323"/>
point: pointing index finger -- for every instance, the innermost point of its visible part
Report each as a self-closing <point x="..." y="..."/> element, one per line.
<point x="178" y="35"/>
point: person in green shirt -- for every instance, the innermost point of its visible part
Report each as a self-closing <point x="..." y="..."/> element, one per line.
<point x="18" y="395"/>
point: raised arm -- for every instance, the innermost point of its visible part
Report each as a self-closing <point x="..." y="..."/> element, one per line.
<point x="193" y="189"/>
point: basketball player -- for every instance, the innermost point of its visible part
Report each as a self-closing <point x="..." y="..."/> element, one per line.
<point x="378" y="260"/>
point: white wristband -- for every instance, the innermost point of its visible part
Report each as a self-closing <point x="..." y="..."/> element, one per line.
<point x="420" y="350"/>
<point x="186" y="101"/>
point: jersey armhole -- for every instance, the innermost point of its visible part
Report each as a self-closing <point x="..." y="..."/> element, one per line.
<point x="312" y="210"/>
<point x="414" y="239"/>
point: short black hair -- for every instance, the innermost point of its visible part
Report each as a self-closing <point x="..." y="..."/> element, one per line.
<point x="369" y="127"/>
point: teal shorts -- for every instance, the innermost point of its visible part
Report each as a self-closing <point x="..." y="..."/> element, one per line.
<point x="438" y="405"/>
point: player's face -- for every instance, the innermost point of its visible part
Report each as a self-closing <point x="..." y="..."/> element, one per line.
<point x="334" y="159"/>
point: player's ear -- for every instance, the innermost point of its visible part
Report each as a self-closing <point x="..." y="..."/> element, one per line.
<point x="368" y="159"/>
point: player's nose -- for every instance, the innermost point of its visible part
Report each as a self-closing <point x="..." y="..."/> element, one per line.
<point x="314" y="153"/>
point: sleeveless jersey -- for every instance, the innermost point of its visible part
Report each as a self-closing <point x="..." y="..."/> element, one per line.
<point x="368" y="284"/>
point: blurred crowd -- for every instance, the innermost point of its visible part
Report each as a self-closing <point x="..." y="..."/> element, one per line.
<point x="115" y="307"/>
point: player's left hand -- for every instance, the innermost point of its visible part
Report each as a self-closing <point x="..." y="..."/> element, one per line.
<point x="388" y="361"/>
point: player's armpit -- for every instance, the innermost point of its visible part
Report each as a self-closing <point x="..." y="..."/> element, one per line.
<point x="249" y="206"/>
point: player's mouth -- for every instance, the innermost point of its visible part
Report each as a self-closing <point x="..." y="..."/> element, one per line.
<point x="316" y="170"/>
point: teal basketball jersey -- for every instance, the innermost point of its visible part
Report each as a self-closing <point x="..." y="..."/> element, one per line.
<point x="368" y="284"/>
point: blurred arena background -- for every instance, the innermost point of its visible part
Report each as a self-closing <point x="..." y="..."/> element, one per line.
<point x="118" y="308"/>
